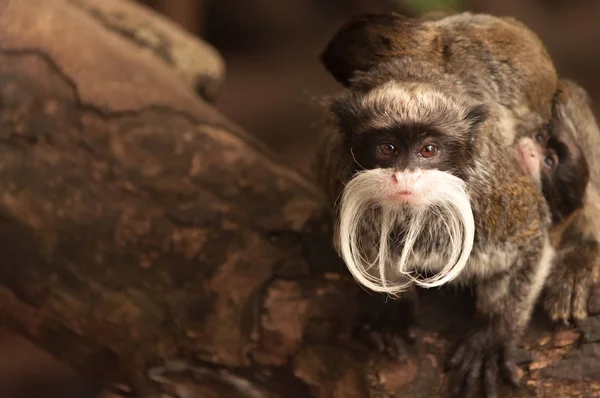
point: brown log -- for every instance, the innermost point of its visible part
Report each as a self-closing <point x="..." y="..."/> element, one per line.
<point x="195" y="62"/>
<point x="147" y="240"/>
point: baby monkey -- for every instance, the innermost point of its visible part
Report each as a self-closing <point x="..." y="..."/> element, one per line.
<point x="569" y="179"/>
<point x="553" y="155"/>
<point x="423" y="182"/>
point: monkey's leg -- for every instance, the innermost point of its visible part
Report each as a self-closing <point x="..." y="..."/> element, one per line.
<point x="504" y="304"/>
<point x="386" y="325"/>
<point x="575" y="271"/>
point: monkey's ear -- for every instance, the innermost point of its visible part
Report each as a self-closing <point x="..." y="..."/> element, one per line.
<point x="477" y="115"/>
<point x="366" y="41"/>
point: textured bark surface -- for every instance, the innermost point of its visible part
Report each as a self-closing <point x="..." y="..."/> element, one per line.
<point x="148" y="241"/>
<point x="82" y="33"/>
<point x="198" y="64"/>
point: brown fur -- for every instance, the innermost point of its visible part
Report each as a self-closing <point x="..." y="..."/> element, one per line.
<point x="472" y="59"/>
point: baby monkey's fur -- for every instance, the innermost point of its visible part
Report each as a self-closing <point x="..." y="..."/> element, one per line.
<point x="410" y="84"/>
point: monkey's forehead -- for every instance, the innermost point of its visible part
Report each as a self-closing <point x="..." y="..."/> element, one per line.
<point x="397" y="103"/>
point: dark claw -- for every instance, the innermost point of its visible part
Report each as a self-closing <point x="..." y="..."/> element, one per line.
<point x="456" y="358"/>
<point x="474" y="375"/>
<point x="462" y="370"/>
<point x="511" y="374"/>
<point x="581" y="294"/>
<point x="506" y="360"/>
<point x="490" y="378"/>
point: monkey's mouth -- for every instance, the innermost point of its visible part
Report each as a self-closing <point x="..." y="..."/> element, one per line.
<point x="402" y="196"/>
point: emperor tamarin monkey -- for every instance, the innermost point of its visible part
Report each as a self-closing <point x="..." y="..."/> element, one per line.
<point x="425" y="187"/>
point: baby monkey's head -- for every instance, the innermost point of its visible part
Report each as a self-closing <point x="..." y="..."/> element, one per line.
<point x="406" y="205"/>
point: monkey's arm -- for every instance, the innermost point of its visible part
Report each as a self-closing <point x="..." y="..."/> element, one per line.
<point x="503" y="309"/>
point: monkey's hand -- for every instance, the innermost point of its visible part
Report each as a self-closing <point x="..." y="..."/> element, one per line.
<point x="387" y="325"/>
<point x="570" y="283"/>
<point x="386" y="340"/>
<point x="482" y="361"/>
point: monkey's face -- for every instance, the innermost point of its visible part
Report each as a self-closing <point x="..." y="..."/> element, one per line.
<point x="535" y="157"/>
<point x="406" y="208"/>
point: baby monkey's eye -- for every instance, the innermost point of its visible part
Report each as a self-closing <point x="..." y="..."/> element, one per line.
<point x="387" y="149"/>
<point x="550" y="160"/>
<point x="539" y="137"/>
<point x="428" y="151"/>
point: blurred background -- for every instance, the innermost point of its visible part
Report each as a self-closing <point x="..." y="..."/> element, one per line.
<point x="273" y="77"/>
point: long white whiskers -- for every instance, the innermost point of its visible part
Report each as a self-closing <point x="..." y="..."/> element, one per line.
<point x="367" y="217"/>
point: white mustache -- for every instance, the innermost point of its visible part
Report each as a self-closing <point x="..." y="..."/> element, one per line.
<point x="367" y="217"/>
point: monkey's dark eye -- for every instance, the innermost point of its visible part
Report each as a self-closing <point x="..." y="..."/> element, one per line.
<point x="550" y="160"/>
<point x="387" y="149"/>
<point x="539" y="137"/>
<point x="428" y="151"/>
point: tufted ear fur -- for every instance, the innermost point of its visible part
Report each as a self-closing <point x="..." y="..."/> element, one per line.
<point x="368" y="40"/>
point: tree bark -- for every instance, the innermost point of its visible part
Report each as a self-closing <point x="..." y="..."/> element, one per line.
<point x="149" y="241"/>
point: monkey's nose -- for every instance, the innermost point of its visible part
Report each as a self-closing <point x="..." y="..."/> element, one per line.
<point x="407" y="177"/>
<point x="396" y="177"/>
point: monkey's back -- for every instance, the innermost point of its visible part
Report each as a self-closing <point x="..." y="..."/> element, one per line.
<point x="498" y="58"/>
